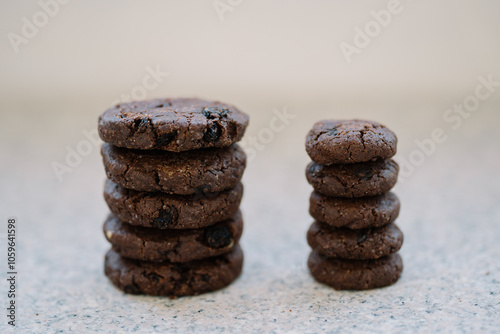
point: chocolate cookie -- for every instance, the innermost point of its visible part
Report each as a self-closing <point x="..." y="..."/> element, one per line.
<point x="185" y="173"/>
<point x="165" y="211"/>
<point x="354" y="180"/>
<point x="344" y="142"/>
<point x="172" y="124"/>
<point x="354" y="213"/>
<point x="173" y="279"/>
<point x="356" y="274"/>
<point x="148" y="244"/>
<point x="343" y="243"/>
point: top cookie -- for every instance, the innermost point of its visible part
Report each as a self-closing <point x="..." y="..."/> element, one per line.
<point x="176" y="125"/>
<point x="343" y="142"/>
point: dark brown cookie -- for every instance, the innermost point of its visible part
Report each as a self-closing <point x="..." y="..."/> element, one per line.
<point x="173" y="279"/>
<point x="344" y="142"/>
<point x="165" y="211"/>
<point x="185" y="173"/>
<point x="354" y="213"/>
<point x="365" y="244"/>
<point x="172" y="124"/>
<point x="356" y="274"/>
<point x="149" y="244"/>
<point x="354" y="180"/>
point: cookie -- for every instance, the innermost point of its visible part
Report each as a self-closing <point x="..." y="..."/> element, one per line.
<point x="356" y="274"/>
<point x="344" y="142"/>
<point x="148" y="244"/>
<point x="185" y="173"/>
<point x="355" y="180"/>
<point x="176" y="125"/>
<point x="165" y="211"/>
<point x="173" y="279"/>
<point x="364" y="244"/>
<point x="354" y="213"/>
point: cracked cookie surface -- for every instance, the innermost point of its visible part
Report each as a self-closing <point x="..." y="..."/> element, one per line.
<point x="354" y="213"/>
<point x="353" y="141"/>
<point x="176" y="125"/>
<point x="185" y="173"/>
<point x="147" y="244"/>
<point x="164" y="211"/>
<point x="173" y="279"/>
<point x="353" y="180"/>
<point x="363" y="244"/>
<point x="356" y="274"/>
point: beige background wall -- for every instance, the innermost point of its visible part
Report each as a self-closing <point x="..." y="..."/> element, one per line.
<point x="261" y="49"/>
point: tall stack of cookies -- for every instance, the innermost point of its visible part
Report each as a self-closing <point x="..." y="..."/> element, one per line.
<point x="354" y="239"/>
<point x="174" y="191"/>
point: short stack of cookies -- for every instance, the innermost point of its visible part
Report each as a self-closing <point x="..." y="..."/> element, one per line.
<point x="354" y="239"/>
<point x="174" y="191"/>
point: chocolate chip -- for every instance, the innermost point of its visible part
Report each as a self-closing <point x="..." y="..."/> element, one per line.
<point x="208" y="113"/>
<point x="205" y="277"/>
<point x="167" y="104"/>
<point x="361" y="238"/>
<point x="365" y="174"/>
<point x="218" y="237"/>
<point x="212" y="133"/>
<point x="152" y="276"/>
<point x="314" y="168"/>
<point x="165" y="139"/>
<point x="166" y="217"/>
<point x="141" y="124"/>
<point x="333" y="132"/>
<point x="214" y="112"/>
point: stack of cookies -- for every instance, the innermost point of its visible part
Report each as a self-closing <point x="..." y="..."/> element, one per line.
<point x="174" y="192"/>
<point x="354" y="239"/>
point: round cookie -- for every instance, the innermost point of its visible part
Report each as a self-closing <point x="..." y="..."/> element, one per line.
<point x="165" y="211"/>
<point x="344" y="142"/>
<point x="176" y="125"/>
<point x="185" y="173"/>
<point x="354" y="213"/>
<point x="362" y="244"/>
<point x="355" y="180"/>
<point x="173" y="279"/>
<point x="147" y="244"/>
<point x="356" y="274"/>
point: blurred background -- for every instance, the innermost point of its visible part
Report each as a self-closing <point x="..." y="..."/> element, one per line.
<point x="407" y="64"/>
<point x="268" y="50"/>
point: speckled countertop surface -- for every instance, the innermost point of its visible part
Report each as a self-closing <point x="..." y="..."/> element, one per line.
<point x="450" y="217"/>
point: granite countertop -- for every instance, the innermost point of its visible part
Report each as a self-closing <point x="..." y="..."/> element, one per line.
<point x="450" y="217"/>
